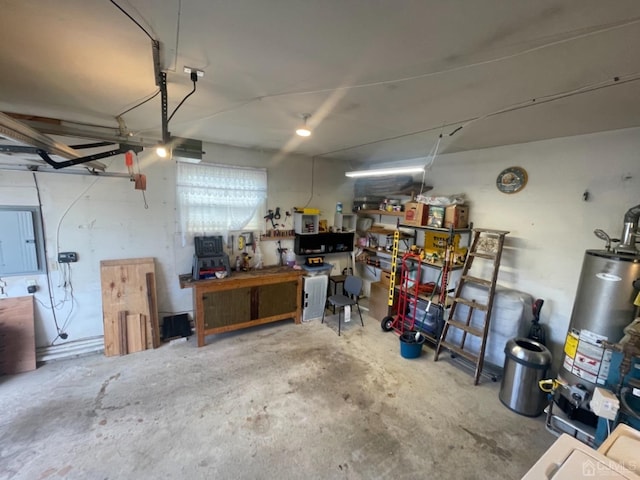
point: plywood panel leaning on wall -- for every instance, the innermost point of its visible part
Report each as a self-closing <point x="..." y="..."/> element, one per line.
<point x="129" y="296"/>
<point x="17" y="337"/>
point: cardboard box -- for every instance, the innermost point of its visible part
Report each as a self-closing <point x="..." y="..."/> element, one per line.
<point x="379" y="301"/>
<point x="416" y="214"/>
<point x="385" y="278"/>
<point x="436" y="216"/>
<point x="456" y="216"/>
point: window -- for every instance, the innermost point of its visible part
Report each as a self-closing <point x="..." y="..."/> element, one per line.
<point x="214" y="199"/>
<point x="21" y="242"/>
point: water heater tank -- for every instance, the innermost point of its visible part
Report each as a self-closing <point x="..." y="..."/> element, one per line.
<point x="603" y="306"/>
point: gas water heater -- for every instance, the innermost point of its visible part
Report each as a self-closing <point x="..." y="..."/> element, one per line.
<point x="605" y="303"/>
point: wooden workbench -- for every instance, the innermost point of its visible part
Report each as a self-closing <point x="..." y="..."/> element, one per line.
<point x="244" y="299"/>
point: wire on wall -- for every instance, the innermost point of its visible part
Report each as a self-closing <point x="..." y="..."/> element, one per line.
<point x="64" y="273"/>
<point x="133" y="20"/>
<point x="313" y="168"/>
<point x="67" y="211"/>
<point x="431" y="159"/>
<point x="139" y="104"/>
<point x="144" y="197"/>
<point x="60" y="333"/>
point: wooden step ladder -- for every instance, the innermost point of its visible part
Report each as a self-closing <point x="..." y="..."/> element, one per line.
<point x="487" y="244"/>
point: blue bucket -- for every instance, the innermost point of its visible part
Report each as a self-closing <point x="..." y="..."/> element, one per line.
<point x="409" y="347"/>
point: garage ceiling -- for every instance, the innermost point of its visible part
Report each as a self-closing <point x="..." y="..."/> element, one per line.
<point x="381" y="79"/>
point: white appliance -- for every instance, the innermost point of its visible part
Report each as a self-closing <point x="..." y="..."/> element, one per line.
<point x="314" y="296"/>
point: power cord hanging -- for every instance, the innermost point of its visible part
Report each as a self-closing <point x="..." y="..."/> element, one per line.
<point x="144" y="197"/>
<point x="194" y="79"/>
<point x="139" y="104"/>
<point x="433" y="153"/>
<point x="133" y="20"/>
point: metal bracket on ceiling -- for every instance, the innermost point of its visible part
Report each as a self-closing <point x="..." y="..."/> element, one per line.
<point x="89" y="158"/>
<point x="161" y="83"/>
<point x="166" y="136"/>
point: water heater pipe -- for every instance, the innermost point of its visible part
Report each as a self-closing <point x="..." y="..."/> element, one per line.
<point x="629" y="229"/>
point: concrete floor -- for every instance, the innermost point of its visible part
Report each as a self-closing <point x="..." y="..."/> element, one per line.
<point x="280" y="401"/>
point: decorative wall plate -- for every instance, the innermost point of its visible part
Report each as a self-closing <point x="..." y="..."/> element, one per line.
<point x="511" y="180"/>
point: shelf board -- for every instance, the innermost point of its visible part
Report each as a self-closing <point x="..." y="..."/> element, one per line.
<point x="380" y="230"/>
<point x="380" y="212"/>
<point x="401" y="253"/>
<point x="436" y="229"/>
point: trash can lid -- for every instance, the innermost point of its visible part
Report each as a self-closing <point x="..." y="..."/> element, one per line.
<point x="528" y="351"/>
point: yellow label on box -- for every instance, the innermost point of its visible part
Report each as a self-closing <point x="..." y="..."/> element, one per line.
<point x="571" y="345"/>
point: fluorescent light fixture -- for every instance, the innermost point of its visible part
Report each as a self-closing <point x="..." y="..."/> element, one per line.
<point x="187" y="159"/>
<point x="383" y="171"/>
<point x="303" y="130"/>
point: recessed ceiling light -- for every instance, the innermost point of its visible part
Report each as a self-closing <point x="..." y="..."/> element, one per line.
<point x="303" y="130"/>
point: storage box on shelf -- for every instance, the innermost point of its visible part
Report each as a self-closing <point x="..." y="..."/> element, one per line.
<point x="416" y="214"/>
<point x="436" y="216"/>
<point x="344" y="222"/>
<point x="456" y="216"/>
<point x="306" y="224"/>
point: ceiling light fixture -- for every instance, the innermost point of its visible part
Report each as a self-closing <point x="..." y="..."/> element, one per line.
<point x="383" y="171"/>
<point x="162" y="151"/>
<point x="303" y="130"/>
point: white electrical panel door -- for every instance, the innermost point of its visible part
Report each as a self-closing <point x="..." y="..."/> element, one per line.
<point x="18" y="253"/>
<point x="314" y="297"/>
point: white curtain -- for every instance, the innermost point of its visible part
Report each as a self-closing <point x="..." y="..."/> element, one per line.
<point x="214" y="199"/>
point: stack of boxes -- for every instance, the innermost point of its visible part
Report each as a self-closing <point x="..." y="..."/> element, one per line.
<point x="422" y="215"/>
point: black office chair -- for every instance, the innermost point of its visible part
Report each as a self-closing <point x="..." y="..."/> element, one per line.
<point x="351" y="294"/>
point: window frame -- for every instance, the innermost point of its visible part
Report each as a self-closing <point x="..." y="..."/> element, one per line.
<point x="255" y="222"/>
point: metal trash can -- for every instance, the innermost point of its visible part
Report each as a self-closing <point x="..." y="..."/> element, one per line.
<point x="526" y="363"/>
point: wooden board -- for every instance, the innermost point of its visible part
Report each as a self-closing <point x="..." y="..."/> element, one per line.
<point x="153" y="325"/>
<point x="136" y="333"/>
<point x="17" y="335"/>
<point x="122" y="333"/>
<point x="128" y="286"/>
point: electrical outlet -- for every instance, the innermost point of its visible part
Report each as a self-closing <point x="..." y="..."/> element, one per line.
<point x="188" y="71"/>
<point x="67" y="257"/>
